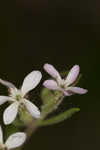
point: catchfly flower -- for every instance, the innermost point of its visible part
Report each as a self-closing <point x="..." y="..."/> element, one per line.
<point x="64" y="85"/>
<point x="17" y="97"/>
<point x="13" y="141"/>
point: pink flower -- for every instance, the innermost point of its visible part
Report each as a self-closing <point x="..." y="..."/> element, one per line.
<point x="64" y="85"/>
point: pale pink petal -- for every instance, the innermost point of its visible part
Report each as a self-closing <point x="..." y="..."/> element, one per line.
<point x="65" y="92"/>
<point x="72" y="75"/>
<point x="31" y="81"/>
<point x="8" y="84"/>
<point x="10" y="113"/>
<point x="1" y="135"/>
<point x="52" y="71"/>
<point x="32" y="109"/>
<point x="15" y="140"/>
<point x="51" y="84"/>
<point x="4" y="99"/>
<point x="78" y="90"/>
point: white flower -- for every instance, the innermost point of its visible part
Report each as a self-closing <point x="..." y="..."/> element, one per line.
<point x="17" y="97"/>
<point x="64" y="85"/>
<point x="13" y="141"/>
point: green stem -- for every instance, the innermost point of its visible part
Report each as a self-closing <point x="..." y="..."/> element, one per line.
<point x="35" y="124"/>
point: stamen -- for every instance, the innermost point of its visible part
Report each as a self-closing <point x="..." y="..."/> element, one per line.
<point x="18" y="97"/>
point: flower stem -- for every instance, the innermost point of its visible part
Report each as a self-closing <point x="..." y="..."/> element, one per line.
<point x="33" y="125"/>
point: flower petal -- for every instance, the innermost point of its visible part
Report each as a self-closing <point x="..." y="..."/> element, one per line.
<point x="1" y="135"/>
<point x="31" y="81"/>
<point x="8" y="84"/>
<point x="78" y="90"/>
<point x="52" y="71"/>
<point x="51" y="84"/>
<point x="32" y="109"/>
<point x="10" y="113"/>
<point x="15" y="140"/>
<point x="72" y="75"/>
<point x="4" y="99"/>
<point x="65" y="92"/>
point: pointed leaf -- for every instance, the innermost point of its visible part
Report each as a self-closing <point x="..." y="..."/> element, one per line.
<point x="61" y="117"/>
<point x="48" y="107"/>
<point x="46" y="95"/>
<point x="50" y="99"/>
<point x="22" y="119"/>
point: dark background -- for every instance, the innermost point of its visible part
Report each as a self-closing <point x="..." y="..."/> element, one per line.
<point x="63" y="33"/>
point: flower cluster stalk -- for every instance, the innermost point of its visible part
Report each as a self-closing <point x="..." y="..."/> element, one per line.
<point x="35" y="124"/>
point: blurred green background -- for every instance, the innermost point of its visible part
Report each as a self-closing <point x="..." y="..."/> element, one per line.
<point x="62" y="33"/>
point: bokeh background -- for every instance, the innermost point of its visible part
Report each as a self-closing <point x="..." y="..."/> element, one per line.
<point x="63" y="33"/>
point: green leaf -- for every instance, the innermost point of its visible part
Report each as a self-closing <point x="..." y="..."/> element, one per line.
<point x="61" y="117"/>
<point x="50" y="100"/>
<point x="48" y="107"/>
<point x="46" y="95"/>
<point x="22" y="119"/>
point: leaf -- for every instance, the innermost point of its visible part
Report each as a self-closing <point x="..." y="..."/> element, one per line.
<point x="61" y="117"/>
<point x="23" y="118"/>
<point x="48" y="107"/>
<point x="46" y="95"/>
<point x="50" y="100"/>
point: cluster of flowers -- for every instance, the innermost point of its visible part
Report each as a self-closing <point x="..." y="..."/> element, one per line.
<point x="17" y="98"/>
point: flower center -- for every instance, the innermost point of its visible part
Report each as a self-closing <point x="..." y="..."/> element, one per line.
<point x="18" y="97"/>
<point x="62" y="84"/>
